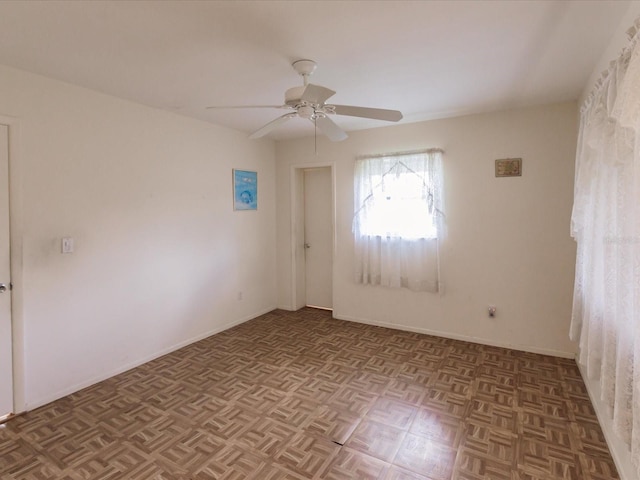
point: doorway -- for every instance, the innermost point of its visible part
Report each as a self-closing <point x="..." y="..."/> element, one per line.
<point x="313" y="220"/>
<point x="318" y="235"/>
<point x="6" y="334"/>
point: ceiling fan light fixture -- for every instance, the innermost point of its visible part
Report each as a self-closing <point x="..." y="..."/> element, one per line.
<point x="306" y="111"/>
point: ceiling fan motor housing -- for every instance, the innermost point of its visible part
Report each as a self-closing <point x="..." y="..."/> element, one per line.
<point x="292" y="97"/>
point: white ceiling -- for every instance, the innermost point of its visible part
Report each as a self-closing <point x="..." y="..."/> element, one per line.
<point x="428" y="59"/>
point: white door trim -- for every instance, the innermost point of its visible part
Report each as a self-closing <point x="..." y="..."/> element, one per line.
<point x="297" y="222"/>
<point x="15" y="244"/>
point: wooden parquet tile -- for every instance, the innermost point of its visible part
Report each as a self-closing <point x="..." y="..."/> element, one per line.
<point x="377" y="440"/>
<point x="299" y="395"/>
<point x="350" y="464"/>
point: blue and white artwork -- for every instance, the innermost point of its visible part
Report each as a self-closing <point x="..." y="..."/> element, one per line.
<point x="245" y="190"/>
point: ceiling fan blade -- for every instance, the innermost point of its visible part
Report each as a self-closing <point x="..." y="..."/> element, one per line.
<point x="247" y="106"/>
<point x="316" y="94"/>
<point x="364" y="112"/>
<point x="330" y="129"/>
<point x="272" y="125"/>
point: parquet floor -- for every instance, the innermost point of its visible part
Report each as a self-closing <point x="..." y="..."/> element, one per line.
<point x="299" y="395"/>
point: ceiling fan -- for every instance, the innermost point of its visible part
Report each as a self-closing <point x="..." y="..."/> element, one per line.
<point x="308" y="101"/>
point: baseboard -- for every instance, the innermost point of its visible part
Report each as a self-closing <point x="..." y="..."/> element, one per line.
<point x="465" y="338"/>
<point x="136" y="363"/>
<point x="619" y="450"/>
<point x="288" y="308"/>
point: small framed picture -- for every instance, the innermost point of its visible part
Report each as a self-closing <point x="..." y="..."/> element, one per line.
<point x="509" y="167"/>
<point x="245" y="190"/>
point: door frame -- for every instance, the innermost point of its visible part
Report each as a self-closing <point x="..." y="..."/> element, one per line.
<point x="298" y="267"/>
<point x="16" y="273"/>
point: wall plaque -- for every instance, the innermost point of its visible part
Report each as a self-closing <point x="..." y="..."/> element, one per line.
<point x="509" y="167"/>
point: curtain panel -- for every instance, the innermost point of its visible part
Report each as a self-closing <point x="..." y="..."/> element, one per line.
<point x="398" y="219"/>
<point x="606" y="226"/>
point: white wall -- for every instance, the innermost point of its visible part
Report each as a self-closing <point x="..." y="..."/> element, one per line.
<point x="507" y="242"/>
<point x="160" y="254"/>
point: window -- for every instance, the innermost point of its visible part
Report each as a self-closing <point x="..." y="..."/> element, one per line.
<point x="398" y="213"/>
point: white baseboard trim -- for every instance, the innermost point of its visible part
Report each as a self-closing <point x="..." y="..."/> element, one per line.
<point x="288" y="308"/>
<point x="454" y="336"/>
<point x="136" y="363"/>
<point x="619" y="450"/>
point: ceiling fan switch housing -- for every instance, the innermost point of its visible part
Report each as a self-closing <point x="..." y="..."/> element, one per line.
<point x="306" y="111"/>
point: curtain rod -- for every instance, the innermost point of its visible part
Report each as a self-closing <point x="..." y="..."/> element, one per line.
<point x="399" y="154"/>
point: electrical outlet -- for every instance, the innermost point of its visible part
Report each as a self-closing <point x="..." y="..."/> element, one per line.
<point x="239" y="296"/>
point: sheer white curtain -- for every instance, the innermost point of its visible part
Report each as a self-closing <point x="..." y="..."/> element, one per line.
<point x="397" y="220"/>
<point x="606" y="226"/>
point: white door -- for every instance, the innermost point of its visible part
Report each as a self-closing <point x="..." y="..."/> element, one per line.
<point x="6" y="366"/>
<point x="318" y="236"/>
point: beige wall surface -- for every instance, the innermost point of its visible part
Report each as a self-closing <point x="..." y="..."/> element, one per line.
<point x="507" y="241"/>
<point x="160" y="256"/>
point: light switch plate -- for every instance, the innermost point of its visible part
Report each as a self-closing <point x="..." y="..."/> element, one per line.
<point x="67" y="245"/>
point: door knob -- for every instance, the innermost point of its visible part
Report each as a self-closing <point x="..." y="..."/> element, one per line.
<point x="3" y="288"/>
<point x="306" y="245"/>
